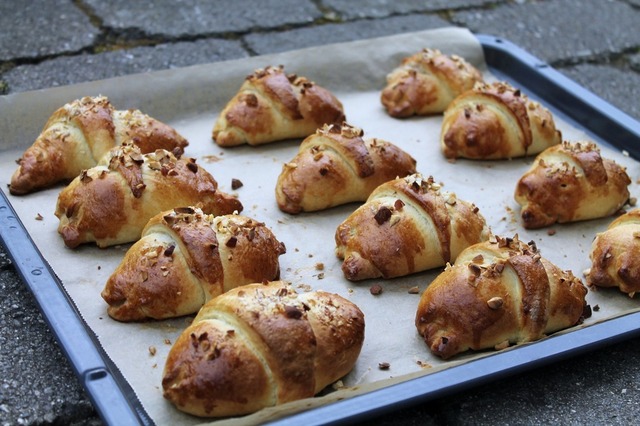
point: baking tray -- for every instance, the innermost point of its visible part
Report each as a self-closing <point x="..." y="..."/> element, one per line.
<point x="114" y="399"/>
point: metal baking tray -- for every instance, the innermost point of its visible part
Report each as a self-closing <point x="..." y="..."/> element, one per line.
<point x="114" y="399"/>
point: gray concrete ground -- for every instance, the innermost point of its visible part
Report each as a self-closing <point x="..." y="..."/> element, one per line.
<point x="48" y="43"/>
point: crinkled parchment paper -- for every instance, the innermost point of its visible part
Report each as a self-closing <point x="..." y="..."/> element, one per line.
<point x="190" y="99"/>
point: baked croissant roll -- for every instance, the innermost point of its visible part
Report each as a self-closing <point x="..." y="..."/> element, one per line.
<point x="185" y="258"/>
<point x="336" y="166"/>
<point x="571" y="182"/>
<point x="615" y="253"/>
<point x="407" y="225"/>
<point x="496" y="121"/>
<point x="272" y="106"/>
<point x="79" y="134"/>
<point x="498" y="292"/>
<point x="260" y="345"/>
<point x="112" y="202"/>
<point x="426" y="83"/>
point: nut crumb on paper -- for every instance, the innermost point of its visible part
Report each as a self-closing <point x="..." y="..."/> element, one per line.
<point x="211" y="158"/>
<point x="423" y="364"/>
<point x="338" y="385"/>
<point x="236" y="184"/>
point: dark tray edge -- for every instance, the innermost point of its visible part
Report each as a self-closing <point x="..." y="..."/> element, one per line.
<point x="112" y="397"/>
<point x="115" y="401"/>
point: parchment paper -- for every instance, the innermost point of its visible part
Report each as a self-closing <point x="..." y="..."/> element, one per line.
<point x="190" y="99"/>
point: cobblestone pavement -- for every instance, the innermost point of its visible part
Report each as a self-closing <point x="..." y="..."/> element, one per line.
<point x="48" y="43"/>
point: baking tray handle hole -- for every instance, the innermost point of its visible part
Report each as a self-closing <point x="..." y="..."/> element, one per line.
<point x="98" y="374"/>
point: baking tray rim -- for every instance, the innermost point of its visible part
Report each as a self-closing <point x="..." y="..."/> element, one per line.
<point x="116" y="402"/>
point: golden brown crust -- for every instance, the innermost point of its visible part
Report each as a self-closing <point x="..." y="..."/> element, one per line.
<point x="210" y="371"/>
<point x="112" y="202"/>
<point x="571" y="182"/>
<point x="496" y="121"/>
<point x="293" y="344"/>
<point x="336" y="166"/>
<point x="79" y="134"/>
<point x="497" y="293"/>
<point x="407" y="225"/>
<point x="272" y="106"/>
<point x="185" y="258"/>
<point x="426" y="83"/>
<point x="614" y="255"/>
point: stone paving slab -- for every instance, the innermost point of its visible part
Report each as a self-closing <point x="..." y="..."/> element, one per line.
<point x="38" y="385"/>
<point x="618" y="87"/>
<point x="263" y="43"/>
<point x="355" y="9"/>
<point x="561" y="31"/>
<point x="65" y="70"/>
<point x="194" y="17"/>
<point x="40" y="28"/>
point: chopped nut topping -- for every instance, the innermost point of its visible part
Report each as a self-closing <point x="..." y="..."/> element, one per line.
<point x="84" y="177"/>
<point x="384" y="365"/>
<point x="495" y="302"/>
<point x="475" y="269"/>
<point x="231" y="242"/>
<point x="383" y="215"/>
<point x="375" y="289"/>
<point x="214" y="352"/>
<point x="250" y="100"/>
<point x="192" y="166"/>
<point x="292" y="312"/>
<point x="414" y="290"/>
